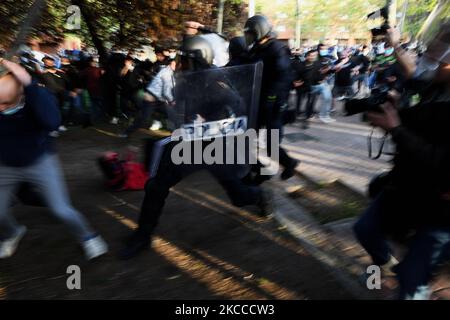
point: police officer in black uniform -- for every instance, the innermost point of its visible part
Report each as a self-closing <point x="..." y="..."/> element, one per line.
<point x="196" y="55"/>
<point x="276" y="83"/>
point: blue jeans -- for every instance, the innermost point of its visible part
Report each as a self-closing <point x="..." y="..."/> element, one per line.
<point x="323" y="90"/>
<point x="428" y="248"/>
<point x="72" y="107"/>
<point x="142" y="117"/>
<point x="47" y="176"/>
<point x="371" y="80"/>
<point x="97" y="108"/>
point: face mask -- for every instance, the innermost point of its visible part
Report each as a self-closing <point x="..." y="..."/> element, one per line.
<point x="13" y="110"/>
<point x="389" y="51"/>
<point x="323" y="53"/>
<point x="172" y="55"/>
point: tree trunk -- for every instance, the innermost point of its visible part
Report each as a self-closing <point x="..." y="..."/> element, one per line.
<point x="89" y="18"/>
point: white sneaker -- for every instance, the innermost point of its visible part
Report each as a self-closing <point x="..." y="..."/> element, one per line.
<point x="114" y="120"/>
<point x="156" y="125"/>
<point x="9" y="246"/>
<point x="62" y="129"/>
<point x="327" y="119"/>
<point x="54" y="134"/>
<point x="94" y="248"/>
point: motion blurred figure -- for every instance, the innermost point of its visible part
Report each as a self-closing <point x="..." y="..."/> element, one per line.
<point x="28" y="113"/>
<point x="213" y="100"/>
<point x="414" y="200"/>
<point x="276" y="83"/>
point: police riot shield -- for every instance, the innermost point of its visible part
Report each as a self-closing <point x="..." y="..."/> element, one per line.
<point x="216" y="102"/>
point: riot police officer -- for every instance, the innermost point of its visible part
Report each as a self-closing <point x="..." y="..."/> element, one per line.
<point x="276" y="82"/>
<point x="220" y="101"/>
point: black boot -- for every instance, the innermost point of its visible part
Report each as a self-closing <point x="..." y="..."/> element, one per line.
<point x="135" y="244"/>
<point x="289" y="171"/>
<point x="265" y="204"/>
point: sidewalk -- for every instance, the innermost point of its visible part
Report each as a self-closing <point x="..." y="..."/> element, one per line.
<point x="335" y="151"/>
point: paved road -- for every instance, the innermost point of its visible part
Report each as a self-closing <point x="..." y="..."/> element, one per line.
<point x="204" y="248"/>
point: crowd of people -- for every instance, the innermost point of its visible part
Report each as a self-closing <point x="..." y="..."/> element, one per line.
<point x="134" y="91"/>
<point x="413" y="200"/>
<point x="339" y="73"/>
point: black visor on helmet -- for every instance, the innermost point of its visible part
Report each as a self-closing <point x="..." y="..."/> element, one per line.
<point x="256" y="28"/>
<point x="191" y="60"/>
<point x="250" y="38"/>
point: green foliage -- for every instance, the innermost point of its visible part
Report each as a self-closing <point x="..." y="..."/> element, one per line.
<point x="123" y="23"/>
<point x="321" y="19"/>
<point x="416" y="13"/>
<point x="130" y="23"/>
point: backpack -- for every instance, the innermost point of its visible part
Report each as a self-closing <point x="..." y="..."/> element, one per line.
<point x="122" y="174"/>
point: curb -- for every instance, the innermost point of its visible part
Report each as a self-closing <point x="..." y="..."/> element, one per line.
<point x="318" y="241"/>
<point x="337" y="181"/>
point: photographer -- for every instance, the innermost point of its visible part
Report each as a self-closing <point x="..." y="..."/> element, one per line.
<point x="28" y="113"/>
<point x="414" y="199"/>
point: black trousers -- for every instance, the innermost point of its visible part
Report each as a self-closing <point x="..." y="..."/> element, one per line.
<point x="284" y="159"/>
<point x="271" y="119"/>
<point x="310" y="101"/>
<point x="169" y="174"/>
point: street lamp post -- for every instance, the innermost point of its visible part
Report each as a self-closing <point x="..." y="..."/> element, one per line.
<point x="220" y="16"/>
<point x="402" y="21"/>
<point x="251" y="8"/>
